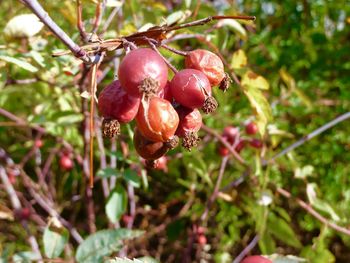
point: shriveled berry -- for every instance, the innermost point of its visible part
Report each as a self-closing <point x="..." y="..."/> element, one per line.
<point x="66" y="163"/>
<point x="251" y="128"/>
<point x="256" y="259"/>
<point x="208" y="63"/>
<point x="191" y="88"/>
<point x="156" y="119"/>
<point x="190" y="123"/>
<point x="256" y="143"/>
<point x="141" y="64"/>
<point x="147" y="149"/>
<point x="114" y="103"/>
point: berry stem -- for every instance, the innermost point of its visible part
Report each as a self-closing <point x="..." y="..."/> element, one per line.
<point x="175" y="51"/>
<point x="153" y="46"/>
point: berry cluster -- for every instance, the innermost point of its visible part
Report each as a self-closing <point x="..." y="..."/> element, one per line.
<point x="232" y="135"/>
<point x="164" y="110"/>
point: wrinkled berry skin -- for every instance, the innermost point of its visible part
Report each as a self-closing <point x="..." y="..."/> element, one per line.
<point x="256" y="259"/>
<point x="115" y="103"/>
<point x="139" y="64"/>
<point x="156" y="119"/>
<point x="190" y="121"/>
<point x="147" y="149"/>
<point x="190" y="88"/>
<point x="208" y="63"/>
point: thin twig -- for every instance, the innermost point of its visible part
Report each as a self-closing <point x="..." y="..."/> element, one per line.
<point x="314" y="213"/>
<point x="111" y="16"/>
<point x="225" y="143"/>
<point x="247" y="249"/>
<point x="80" y="23"/>
<point x="38" y="10"/>
<point x="309" y="136"/>
<point x="216" y="188"/>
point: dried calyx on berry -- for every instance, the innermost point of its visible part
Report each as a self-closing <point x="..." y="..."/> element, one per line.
<point x="142" y="70"/>
<point x="225" y="83"/>
<point x="189" y="125"/>
<point x="116" y="106"/>
<point x="192" y="89"/>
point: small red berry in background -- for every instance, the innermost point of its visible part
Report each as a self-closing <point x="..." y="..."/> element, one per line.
<point x="202" y="240"/>
<point x="230" y="133"/>
<point x="256" y="259"/>
<point x="66" y="163"/>
<point x="256" y="143"/>
<point x="126" y="219"/>
<point x="251" y="128"/>
<point x="223" y="151"/>
<point x="240" y="146"/>
<point x="38" y="143"/>
<point x="23" y="213"/>
<point x="162" y="164"/>
<point x="12" y="177"/>
<point x="208" y="63"/>
<point x="141" y="64"/>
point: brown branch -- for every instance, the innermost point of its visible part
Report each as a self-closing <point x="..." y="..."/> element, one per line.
<point x="308" y="208"/>
<point x="80" y="23"/>
<point x="38" y="10"/>
<point x="247" y="249"/>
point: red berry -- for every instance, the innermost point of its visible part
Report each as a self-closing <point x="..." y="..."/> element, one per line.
<point x="251" y="128"/>
<point x="156" y="119"/>
<point x="23" y="213"/>
<point x="191" y="88"/>
<point x="256" y="143"/>
<point x="202" y="240"/>
<point x="12" y="177"/>
<point x="223" y="151"/>
<point x="161" y="164"/>
<point x="189" y="125"/>
<point x="256" y="259"/>
<point x="190" y="121"/>
<point x="147" y="149"/>
<point x="208" y="63"/>
<point x="241" y="144"/>
<point x="230" y="133"/>
<point x="38" y="143"/>
<point x="115" y="103"/>
<point x="126" y="219"/>
<point x="66" y="163"/>
<point x="166" y="93"/>
<point x="138" y="65"/>
<point x="200" y="230"/>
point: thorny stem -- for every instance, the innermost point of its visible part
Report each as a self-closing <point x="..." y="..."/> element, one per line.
<point x="38" y="10"/>
<point x="247" y="249"/>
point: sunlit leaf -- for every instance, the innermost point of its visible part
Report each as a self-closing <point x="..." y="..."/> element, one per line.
<point x="235" y="25"/>
<point x="103" y="243"/>
<point x="116" y="204"/>
<point x="26" y="25"/>
<point x="20" y="63"/>
<point x="55" y="238"/>
<point x="253" y="80"/>
<point x="239" y="59"/>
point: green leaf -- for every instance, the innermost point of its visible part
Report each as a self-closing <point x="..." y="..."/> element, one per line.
<point x="70" y="119"/>
<point x="55" y="238"/>
<point x="132" y="177"/>
<point x="282" y="231"/>
<point x="236" y="26"/>
<point x="266" y="244"/>
<point x="116" y="204"/>
<point x="103" y="243"/>
<point x="303" y="172"/>
<point x="25" y="257"/>
<point x="260" y="105"/>
<point x="107" y="172"/>
<point x="311" y="190"/>
<point x="252" y="80"/>
<point x="276" y="258"/>
<point x="239" y="59"/>
<point x="20" y="63"/>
